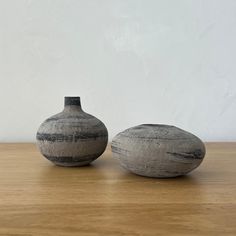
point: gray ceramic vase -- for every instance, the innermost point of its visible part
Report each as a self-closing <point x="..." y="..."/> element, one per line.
<point x="160" y="151"/>
<point x="72" y="137"/>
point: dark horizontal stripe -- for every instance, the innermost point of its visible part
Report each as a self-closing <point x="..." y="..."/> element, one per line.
<point x="70" y="159"/>
<point x="197" y="154"/>
<point x="69" y="138"/>
<point x="118" y="150"/>
<point x="69" y="117"/>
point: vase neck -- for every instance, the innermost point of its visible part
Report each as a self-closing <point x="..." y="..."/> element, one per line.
<point x="72" y="103"/>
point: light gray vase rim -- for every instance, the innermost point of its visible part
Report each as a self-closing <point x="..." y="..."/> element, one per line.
<point x="156" y="125"/>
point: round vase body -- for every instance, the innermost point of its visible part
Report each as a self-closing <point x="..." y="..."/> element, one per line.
<point x="160" y="151"/>
<point x="72" y="137"/>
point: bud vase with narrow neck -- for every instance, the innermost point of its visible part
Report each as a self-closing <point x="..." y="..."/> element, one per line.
<point x="72" y="137"/>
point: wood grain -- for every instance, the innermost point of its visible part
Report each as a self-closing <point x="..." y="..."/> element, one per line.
<point x="38" y="198"/>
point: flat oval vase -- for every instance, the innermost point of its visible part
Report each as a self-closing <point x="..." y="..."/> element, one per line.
<point x="160" y="151"/>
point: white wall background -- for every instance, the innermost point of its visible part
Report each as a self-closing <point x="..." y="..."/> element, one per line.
<point x="131" y="62"/>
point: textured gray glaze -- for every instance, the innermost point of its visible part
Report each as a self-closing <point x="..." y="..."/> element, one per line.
<point x="160" y="151"/>
<point x="72" y="137"/>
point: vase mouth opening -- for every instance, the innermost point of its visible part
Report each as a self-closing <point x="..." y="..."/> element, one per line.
<point x="72" y="101"/>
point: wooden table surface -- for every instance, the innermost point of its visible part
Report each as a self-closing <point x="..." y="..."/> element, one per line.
<point x="38" y="198"/>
